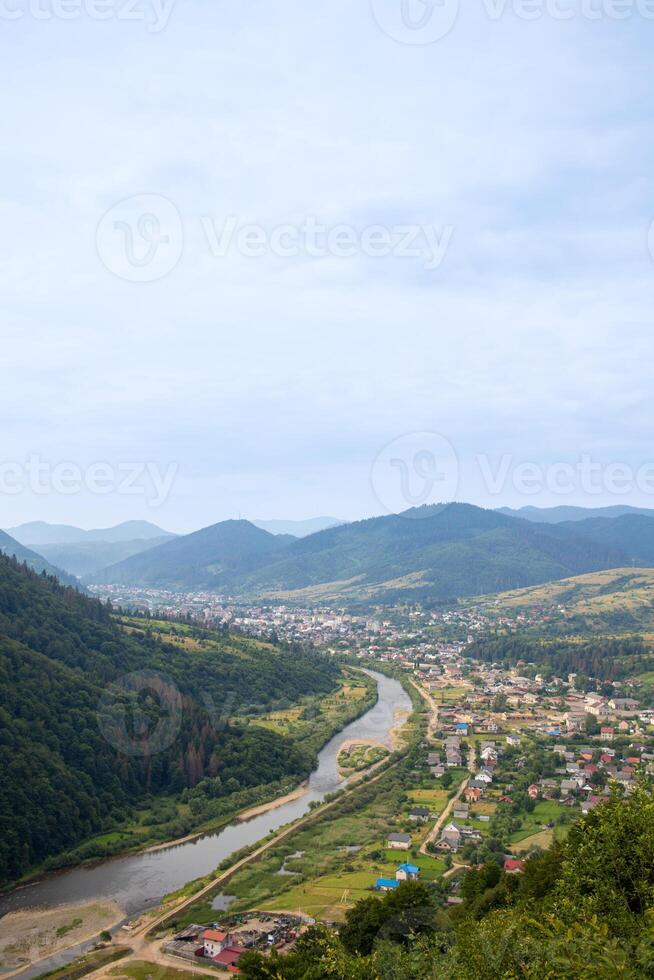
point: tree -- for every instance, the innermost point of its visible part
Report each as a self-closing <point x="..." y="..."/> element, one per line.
<point x="405" y="912"/>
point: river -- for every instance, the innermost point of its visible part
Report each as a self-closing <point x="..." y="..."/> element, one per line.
<point x="138" y="881"/>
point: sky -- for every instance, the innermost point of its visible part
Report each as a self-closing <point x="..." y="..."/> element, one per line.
<point x="278" y="259"/>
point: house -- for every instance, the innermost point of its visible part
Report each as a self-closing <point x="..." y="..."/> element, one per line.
<point x="434" y="759"/>
<point x="461" y="811"/>
<point x="477" y="784"/>
<point x="472" y="794"/>
<point x="229" y="957"/>
<point x="513" y="739"/>
<point x="214" y="941"/>
<point x="407" y="872"/>
<point x="623" y="704"/>
<point x="513" y="867"/>
<point x="590" y="804"/>
<point x="607" y="734"/>
<point x="451" y="834"/>
<point x="399" y="842"/>
<point x="420" y="813"/>
<point x="386" y="884"/>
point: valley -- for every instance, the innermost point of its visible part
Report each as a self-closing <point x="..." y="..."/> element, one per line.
<point x="323" y="756"/>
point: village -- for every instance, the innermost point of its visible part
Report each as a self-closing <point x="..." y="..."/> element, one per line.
<point x="505" y="766"/>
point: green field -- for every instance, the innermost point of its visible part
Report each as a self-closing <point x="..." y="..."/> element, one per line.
<point x="544" y="812"/>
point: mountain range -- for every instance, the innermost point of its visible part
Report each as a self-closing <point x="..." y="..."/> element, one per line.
<point x="430" y="553"/>
<point x="81" y="552"/>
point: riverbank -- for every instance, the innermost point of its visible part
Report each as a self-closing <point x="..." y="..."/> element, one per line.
<point x="338" y="710"/>
<point x="274" y="804"/>
<point x="32" y="935"/>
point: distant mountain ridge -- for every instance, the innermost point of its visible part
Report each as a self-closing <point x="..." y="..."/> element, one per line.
<point x="430" y="553"/>
<point x="299" y="529"/>
<point x="81" y="552"/>
<point x="557" y="515"/>
<point x="36" y="533"/>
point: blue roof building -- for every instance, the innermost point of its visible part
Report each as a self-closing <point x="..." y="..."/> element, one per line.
<point x="386" y="884"/>
<point x="407" y="872"/>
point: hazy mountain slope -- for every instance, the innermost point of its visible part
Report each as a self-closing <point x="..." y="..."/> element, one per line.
<point x="38" y="533"/>
<point x="86" y="557"/>
<point x="214" y="557"/>
<point x="444" y="551"/>
<point x="11" y="548"/>
<point x="557" y="515"/>
<point x="632" y="533"/>
<point x="299" y="529"/>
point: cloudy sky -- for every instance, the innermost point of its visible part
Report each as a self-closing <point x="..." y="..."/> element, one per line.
<point x="282" y="259"/>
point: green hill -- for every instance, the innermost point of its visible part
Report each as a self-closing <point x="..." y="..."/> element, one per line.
<point x="77" y="752"/>
<point x="615" y="601"/>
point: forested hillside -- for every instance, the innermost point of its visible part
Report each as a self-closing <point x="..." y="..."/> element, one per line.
<point x="603" y="658"/>
<point x="76" y="751"/>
